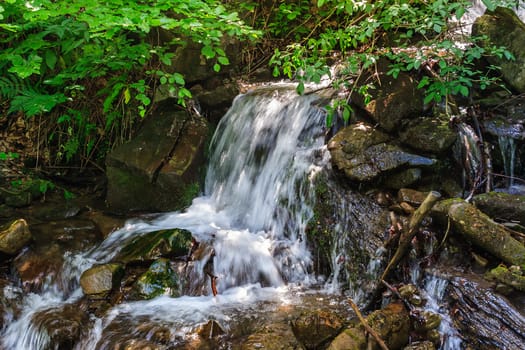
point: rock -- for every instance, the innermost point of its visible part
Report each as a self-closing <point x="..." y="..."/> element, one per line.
<point x="502" y="27"/>
<point x="392" y="100"/>
<point x="160" y="279"/>
<point x="74" y="234"/>
<point x="413" y="197"/>
<point x="391" y="323"/>
<point x="210" y="329"/>
<point x="511" y="277"/>
<point x="14" y="237"/>
<point x="272" y="336"/>
<point x="63" y="326"/>
<point x="17" y="199"/>
<point x="428" y="134"/>
<point x="403" y="179"/>
<point x="156" y="244"/>
<point x="481" y="230"/>
<point x="501" y="206"/>
<point x="98" y="281"/>
<point x="420" y="345"/>
<point x="363" y="154"/>
<point x="315" y="329"/>
<point x="160" y="169"/>
<point x="427" y="322"/>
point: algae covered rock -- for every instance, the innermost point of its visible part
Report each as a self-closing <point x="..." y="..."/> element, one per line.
<point x="153" y="245"/>
<point x="160" y="279"/>
<point x="428" y="134"/>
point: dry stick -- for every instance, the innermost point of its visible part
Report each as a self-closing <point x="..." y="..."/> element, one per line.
<point x="369" y="329"/>
<point x="413" y="226"/>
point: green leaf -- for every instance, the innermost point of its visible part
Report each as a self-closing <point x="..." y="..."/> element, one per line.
<point x="320" y="3"/>
<point x="208" y="51"/>
<point x="491" y="6"/>
<point x="223" y="60"/>
<point x="216" y="67"/>
<point x="463" y="90"/>
<point x="51" y="59"/>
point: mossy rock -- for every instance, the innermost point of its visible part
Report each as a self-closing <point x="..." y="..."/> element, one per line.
<point x="153" y="245"/>
<point x="513" y="278"/>
<point x="160" y="279"/>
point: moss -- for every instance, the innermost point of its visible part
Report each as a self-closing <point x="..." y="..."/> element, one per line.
<point x="160" y="279"/>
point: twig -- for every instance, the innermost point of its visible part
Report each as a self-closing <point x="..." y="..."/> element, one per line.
<point x="369" y="329"/>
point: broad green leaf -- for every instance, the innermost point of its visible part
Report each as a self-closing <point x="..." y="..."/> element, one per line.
<point x="491" y="6"/>
<point x="300" y="88"/>
<point x="223" y="60"/>
<point x="51" y="59"/>
<point x="320" y="3"/>
<point x="208" y="51"/>
<point x="127" y="96"/>
<point x="216" y="67"/>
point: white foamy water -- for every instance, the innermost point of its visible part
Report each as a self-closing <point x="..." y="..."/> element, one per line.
<point x="258" y="200"/>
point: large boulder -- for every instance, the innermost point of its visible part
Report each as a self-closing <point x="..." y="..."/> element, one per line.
<point x="364" y="153"/>
<point x="161" y="168"/>
<point x="502" y="27"/>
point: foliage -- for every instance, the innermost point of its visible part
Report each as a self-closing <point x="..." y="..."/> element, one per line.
<point x="90" y="68"/>
<point x="425" y="35"/>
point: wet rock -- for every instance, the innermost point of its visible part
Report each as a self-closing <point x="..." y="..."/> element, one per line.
<point x="362" y="153"/>
<point x="64" y="326"/>
<point x="428" y="134"/>
<point x="153" y="245"/>
<point x="391" y="323"/>
<point x="502" y="27"/>
<point x="98" y="281"/>
<point x="512" y="277"/>
<point x="160" y="169"/>
<point x="485" y="319"/>
<point x="427" y="321"/>
<point x="160" y="279"/>
<point x="501" y="206"/>
<point x="38" y="264"/>
<point x="14" y="237"/>
<point x="392" y="100"/>
<point x="315" y="329"/>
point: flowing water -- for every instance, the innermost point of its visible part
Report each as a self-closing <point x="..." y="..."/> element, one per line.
<point x="258" y="199"/>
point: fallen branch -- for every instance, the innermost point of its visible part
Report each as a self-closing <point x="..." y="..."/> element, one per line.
<point x="408" y="234"/>
<point x="365" y="324"/>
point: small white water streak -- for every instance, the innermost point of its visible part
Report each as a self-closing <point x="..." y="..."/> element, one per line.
<point x="435" y="288"/>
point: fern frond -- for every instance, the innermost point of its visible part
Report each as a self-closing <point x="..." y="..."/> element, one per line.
<point x="33" y="102"/>
<point x="11" y="85"/>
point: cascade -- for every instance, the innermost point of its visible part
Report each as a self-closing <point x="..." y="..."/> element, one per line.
<point x="258" y="200"/>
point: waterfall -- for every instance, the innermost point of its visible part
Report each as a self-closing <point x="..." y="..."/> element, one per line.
<point x="258" y="200"/>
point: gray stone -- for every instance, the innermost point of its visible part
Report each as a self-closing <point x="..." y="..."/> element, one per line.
<point x="100" y="280"/>
<point x="428" y="134"/>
